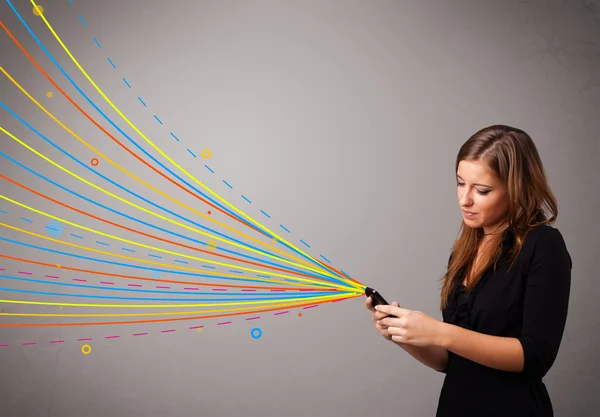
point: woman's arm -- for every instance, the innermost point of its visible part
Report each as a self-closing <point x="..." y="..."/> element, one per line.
<point x="434" y="357"/>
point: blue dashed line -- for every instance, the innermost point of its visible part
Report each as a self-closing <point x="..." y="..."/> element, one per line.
<point x="237" y="272"/>
<point x="342" y="271"/>
<point x="27" y="220"/>
<point x="207" y="167"/>
<point x="142" y="101"/>
<point x="263" y="276"/>
<point x="181" y="262"/>
<point x="207" y="266"/>
<point x="191" y="153"/>
<point x="265" y="214"/>
<point x="158" y="119"/>
<point x="227" y="184"/>
<point x="126" y="82"/>
<point x="3" y="212"/>
<point x="154" y="256"/>
<point x="77" y="236"/>
<point x="246" y="199"/>
<point x="284" y="228"/>
<point x="111" y="63"/>
<point x="325" y="258"/>
<point x="128" y="250"/>
<point x="102" y="243"/>
<point x="97" y="43"/>
<point x="82" y="21"/>
<point x="307" y="245"/>
<point x="52" y="228"/>
<point x="176" y="138"/>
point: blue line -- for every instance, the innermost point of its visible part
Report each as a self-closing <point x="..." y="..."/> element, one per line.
<point x="265" y="276"/>
<point x="142" y="101"/>
<point x="97" y="43"/>
<point x="128" y="250"/>
<point x="246" y="199"/>
<point x="126" y="82"/>
<point x="208" y="266"/>
<point x="265" y="214"/>
<point x="176" y="272"/>
<point x="325" y="258"/>
<point x="284" y="228"/>
<point x="269" y="295"/>
<point x="3" y="212"/>
<point x="27" y="220"/>
<point x="52" y="228"/>
<point x="226" y="183"/>
<point x="82" y="21"/>
<point x="102" y="243"/>
<point x="155" y="256"/>
<point x="181" y="262"/>
<point x="130" y="217"/>
<point x="108" y="297"/>
<point x="176" y="138"/>
<point x="192" y="153"/>
<point x="305" y="243"/>
<point x="109" y="60"/>
<point x="77" y="236"/>
<point x="207" y="167"/>
<point x="131" y="140"/>
<point x="237" y="272"/>
<point x="158" y="119"/>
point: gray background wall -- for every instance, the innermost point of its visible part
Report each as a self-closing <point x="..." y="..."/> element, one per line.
<point x="342" y="120"/>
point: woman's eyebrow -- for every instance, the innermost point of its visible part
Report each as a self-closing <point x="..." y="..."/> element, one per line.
<point x="483" y="185"/>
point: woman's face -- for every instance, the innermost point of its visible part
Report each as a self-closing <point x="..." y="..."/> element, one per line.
<point x="481" y="192"/>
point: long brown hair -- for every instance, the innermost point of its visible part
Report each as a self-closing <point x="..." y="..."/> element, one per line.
<point x="511" y="154"/>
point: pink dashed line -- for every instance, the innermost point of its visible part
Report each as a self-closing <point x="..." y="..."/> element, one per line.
<point x="220" y="289"/>
<point x="108" y="283"/>
<point x="304" y="308"/>
<point x="337" y="301"/>
<point x="283" y="312"/>
<point x="253" y="318"/>
<point x="29" y="343"/>
<point x="140" y="334"/>
<point x="196" y="327"/>
<point x="24" y="273"/>
<point x="2" y="269"/>
<point x="84" y="339"/>
<point x="57" y="341"/>
<point x="225" y="322"/>
<point x="52" y="276"/>
<point x="167" y="331"/>
<point x="191" y="289"/>
<point x="5" y="344"/>
<point x="79" y="280"/>
<point x="161" y="286"/>
<point x="111" y="337"/>
<point x="134" y="285"/>
<point x="248" y="290"/>
<point x="277" y="290"/>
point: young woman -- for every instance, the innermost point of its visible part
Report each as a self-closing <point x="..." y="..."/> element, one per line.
<point x="505" y="295"/>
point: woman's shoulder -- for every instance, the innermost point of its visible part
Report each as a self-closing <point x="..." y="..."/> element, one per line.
<point x="545" y="240"/>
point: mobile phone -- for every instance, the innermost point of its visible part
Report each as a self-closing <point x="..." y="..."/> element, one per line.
<point x="376" y="298"/>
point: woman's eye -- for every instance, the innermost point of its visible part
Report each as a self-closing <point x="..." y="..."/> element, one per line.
<point x="460" y="184"/>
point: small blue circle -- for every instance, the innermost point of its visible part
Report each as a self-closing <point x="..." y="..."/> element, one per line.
<point x="256" y="333"/>
<point x="155" y="274"/>
<point x="55" y="228"/>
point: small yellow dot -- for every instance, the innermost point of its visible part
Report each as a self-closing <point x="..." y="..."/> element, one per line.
<point x="199" y="330"/>
<point x="38" y="10"/>
<point x="211" y="245"/>
<point x="206" y="153"/>
<point x="49" y="94"/>
<point x="86" y="349"/>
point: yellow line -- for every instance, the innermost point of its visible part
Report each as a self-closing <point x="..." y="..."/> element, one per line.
<point x="263" y="302"/>
<point x="135" y="205"/>
<point x="155" y="263"/>
<point x="152" y="247"/>
<point x="350" y="283"/>
<point x="154" y="188"/>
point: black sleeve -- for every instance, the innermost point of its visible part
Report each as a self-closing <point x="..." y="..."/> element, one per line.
<point x="545" y="304"/>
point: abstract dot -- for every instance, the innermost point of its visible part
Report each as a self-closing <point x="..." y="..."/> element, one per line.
<point x="256" y="333"/>
<point x="299" y="314"/>
<point x="199" y="329"/>
<point x="49" y="94"/>
<point x="94" y="162"/>
<point x="55" y="228"/>
<point x="206" y="153"/>
<point x="38" y="10"/>
<point x="208" y="211"/>
<point x="155" y="274"/>
<point x="86" y="349"/>
<point x="211" y="245"/>
<point x="58" y="266"/>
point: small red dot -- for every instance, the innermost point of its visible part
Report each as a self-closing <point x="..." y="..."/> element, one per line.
<point x="208" y="211"/>
<point x="299" y="314"/>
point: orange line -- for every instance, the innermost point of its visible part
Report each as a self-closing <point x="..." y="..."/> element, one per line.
<point x="161" y="320"/>
<point x="152" y="236"/>
<point x="204" y="284"/>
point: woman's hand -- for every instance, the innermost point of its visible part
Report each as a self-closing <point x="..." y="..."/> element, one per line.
<point x="409" y="327"/>
<point x="378" y="316"/>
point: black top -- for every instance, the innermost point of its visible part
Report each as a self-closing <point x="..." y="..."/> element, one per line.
<point x="528" y="303"/>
